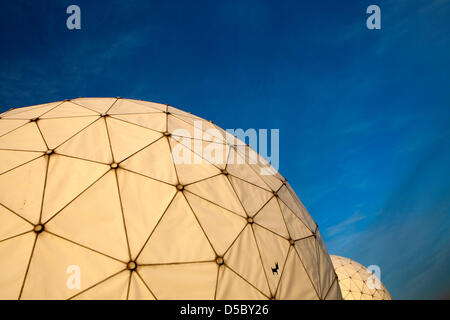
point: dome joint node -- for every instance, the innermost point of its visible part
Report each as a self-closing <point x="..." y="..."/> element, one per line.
<point x="49" y="152"/>
<point x="132" y="265"/>
<point x="219" y="261"/>
<point x="250" y="220"/>
<point x="34" y="119"/>
<point x="166" y="134"/>
<point x="291" y="242"/>
<point x="114" y="165"/>
<point x="180" y="187"/>
<point x="66" y="100"/>
<point x="275" y="194"/>
<point x="38" y="228"/>
<point x="224" y="172"/>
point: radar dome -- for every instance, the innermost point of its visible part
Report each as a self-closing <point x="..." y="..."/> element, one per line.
<point x="357" y="282"/>
<point x="109" y="198"/>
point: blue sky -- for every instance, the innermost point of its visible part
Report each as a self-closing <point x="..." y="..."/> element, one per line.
<point x="364" y="115"/>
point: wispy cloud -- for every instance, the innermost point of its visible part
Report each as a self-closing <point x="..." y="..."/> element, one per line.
<point x="341" y="227"/>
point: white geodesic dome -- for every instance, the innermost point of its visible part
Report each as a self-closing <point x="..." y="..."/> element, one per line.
<point x="93" y="205"/>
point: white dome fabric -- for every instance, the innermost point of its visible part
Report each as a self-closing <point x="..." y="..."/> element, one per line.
<point x="353" y="281"/>
<point x="90" y="191"/>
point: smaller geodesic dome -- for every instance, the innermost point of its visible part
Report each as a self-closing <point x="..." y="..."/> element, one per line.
<point x="354" y="281"/>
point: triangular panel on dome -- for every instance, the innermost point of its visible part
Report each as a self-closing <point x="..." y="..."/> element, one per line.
<point x="152" y="105"/>
<point x="327" y="273"/>
<point x="155" y="121"/>
<point x="346" y="295"/>
<point x="337" y="262"/>
<point x="361" y="273"/>
<point x="213" y="152"/>
<point x="353" y="270"/>
<point x="270" y="217"/>
<point x="366" y="290"/>
<point x="378" y="295"/>
<point x="366" y="297"/>
<point x="113" y="288"/>
<point x="321" y="243"/>
<point x="190" y="167"/>
<point x="11" y="159"/>
<point x="139" y="289"/>
<point x="100" y="105"/>
<point x="208" y="128"/>
<point x="67" y="178"/>
<point x="68" y="109"/>
<point x="62" y="261"/>
<point x="252" y="197"/>
<point x="296" y="207"/>
<point x="127" y="139"/>
<point x="274" y="250"/>
<point x="10" y="125"/>
<point x="125" y="106"/>
<point x="354" y="295"/>
<point x="230" y="286"/>
<point x="356" y="286"/>
<point x="219" y="191"/>
<point x="243" y="258"/>
<point x="177" y="111"/>
<point x="344" y="283"/>
<point x="27" y="138"/>
<point x="31" y="112"/>
<point x="239" y="168"/>
<point x="345" y="272"/>
<point x="294" y="274"/>
<point x="144" y="201"/>
<point x="56" y="131"/>
<point x="92" y="223"/>
<point x="154" y="161"/>
<point x="307" y="251"/>
<point x="180" y="128"/>
<point x="220" y="225"/>
<point x="261" y="166"/>
<point x="334" y="293"/>
<point x="297" y="228"/>
<point x="24" y="196"/>
<point x="386" y="294"/>
<point x="92" y="143"/>
<point x="300" y="209"/>
<point x="15" y="253"/>
<point x="177" y="238"/>
<point x="12" y="224"/>
<point x="229" y="137"/>
<point x="193" y="281"/>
